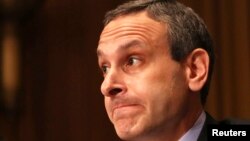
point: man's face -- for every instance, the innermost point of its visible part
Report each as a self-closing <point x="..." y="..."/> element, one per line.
<point x="145" y="90"/>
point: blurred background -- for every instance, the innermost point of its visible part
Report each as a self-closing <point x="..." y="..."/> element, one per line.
<point x="49" y="79"/>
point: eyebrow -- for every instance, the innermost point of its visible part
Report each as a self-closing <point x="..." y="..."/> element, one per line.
<point x="125" y="45"/>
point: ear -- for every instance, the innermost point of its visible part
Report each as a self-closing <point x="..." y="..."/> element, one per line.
<point x="197" y="64"/>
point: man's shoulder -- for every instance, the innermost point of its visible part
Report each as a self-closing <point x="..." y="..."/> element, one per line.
<point x="234" y="121"/>
<point x="226" y="121"/>
<point x="212" y="121"/>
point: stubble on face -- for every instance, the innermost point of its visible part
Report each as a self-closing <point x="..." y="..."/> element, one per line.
<point x="148" y="105"/>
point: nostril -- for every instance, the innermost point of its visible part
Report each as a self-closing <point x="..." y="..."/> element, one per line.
<point x="115" y="91"/>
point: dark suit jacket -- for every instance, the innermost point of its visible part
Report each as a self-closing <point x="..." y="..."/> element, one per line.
<point x="211" y="120"/>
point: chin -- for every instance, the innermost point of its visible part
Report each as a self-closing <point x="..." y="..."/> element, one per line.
<point x="124" y="132"/>
<point x="127" y="136"/>
<point x="128" y="133"/>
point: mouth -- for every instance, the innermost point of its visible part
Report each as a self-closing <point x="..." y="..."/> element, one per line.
<point x="125" y="110"/>
<point x="122" y="106"/>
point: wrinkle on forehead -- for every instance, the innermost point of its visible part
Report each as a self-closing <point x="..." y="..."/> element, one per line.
<point x="134" y="24"/>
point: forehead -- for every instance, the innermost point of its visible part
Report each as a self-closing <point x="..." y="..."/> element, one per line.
<point x="136" y="24"/>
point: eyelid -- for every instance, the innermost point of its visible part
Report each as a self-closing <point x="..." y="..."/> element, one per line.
<point x="133" y="58"/>
<point x="102" y="67"/>
<point x="137" y="57"/>
<point x="133" y="63"/>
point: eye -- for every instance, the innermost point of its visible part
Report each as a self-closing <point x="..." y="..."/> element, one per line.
<point x="104" y="69"/>
<point x="133" y="64"/>
<point x="133" y="61"/>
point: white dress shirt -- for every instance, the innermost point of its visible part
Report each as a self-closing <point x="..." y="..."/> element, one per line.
<point x="193" y="133"/>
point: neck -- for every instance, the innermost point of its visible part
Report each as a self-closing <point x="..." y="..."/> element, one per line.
<point x="179" y="126"/>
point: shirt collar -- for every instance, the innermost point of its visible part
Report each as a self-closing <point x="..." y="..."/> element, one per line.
<point x="193" y="133"/>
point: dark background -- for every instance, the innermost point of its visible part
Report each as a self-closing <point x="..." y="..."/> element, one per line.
<point x="58" y="97"/>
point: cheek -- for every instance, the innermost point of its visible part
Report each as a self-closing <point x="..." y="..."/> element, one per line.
<point x="152" y="84"/>
<point x="152" y="89"/>
<point x="162" y="92"/>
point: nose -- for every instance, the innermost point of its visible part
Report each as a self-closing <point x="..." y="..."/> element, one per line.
<point x="113" y="84"/>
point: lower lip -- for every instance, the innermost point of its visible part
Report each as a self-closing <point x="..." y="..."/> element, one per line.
<point x="125" y="106"/>
<point x="125" y="111"/>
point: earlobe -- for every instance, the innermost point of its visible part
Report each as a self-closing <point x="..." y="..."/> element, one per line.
<point x="197" y="64"/>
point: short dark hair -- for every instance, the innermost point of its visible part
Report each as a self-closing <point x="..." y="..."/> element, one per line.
<point x="186" y="30"/>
